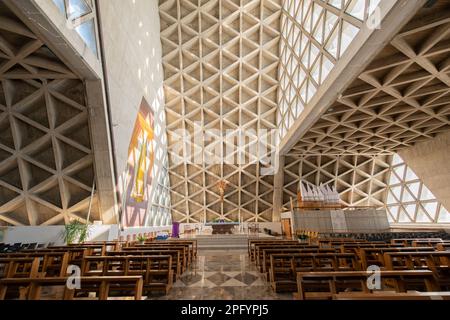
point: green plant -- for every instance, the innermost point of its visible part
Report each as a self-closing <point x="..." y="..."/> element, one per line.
<point x="76" y="231"/>
<point x="141" y="238"/>
<point x="303" y="237"/>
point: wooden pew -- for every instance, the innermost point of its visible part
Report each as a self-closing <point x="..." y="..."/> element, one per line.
<point x="184" y="259"/>
<point x="156" y="270"/>
<point x="441" y="295"/>
<point x="261" y="248"/>
<point x="437" y="261"/>
<point x="19" y="267"/>
<point x="284" y="266"/>
<point x="375" y="256"/>
<point x="354" y="247"/>
<point x="407" y="242"/>
<point x="75" y="254"/>
<point x="252" y="245"/>
<point x="51" y="264"/>
<point x="101" y="285"/>
<point x="93" y="249"/>
<point x="427" y="242"/>
<point x="443" y="246"/>
<point x="338" y="244"/>
<point x="188" y="255"/>
<point x="266" y="253"/>
<point x="329" y="242"/>
<point x="191" y="249"/>
<point x="177" y="264"/>
<point x="324" y="285"/>
<point x="191" y="242"/>
<point x="114" y="245"/>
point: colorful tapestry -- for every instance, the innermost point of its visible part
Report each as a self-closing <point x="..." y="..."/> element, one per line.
<point x="139" y="169"/>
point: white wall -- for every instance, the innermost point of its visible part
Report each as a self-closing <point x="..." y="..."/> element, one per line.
<point x="430" y="161"/>
<point x="47" y="234"/>
<point x="133" y="57"/>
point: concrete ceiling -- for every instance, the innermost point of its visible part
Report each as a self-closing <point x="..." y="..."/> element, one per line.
<point x="46" y="161"/>
<point x="220" y="62"/>
<point x="401" y="98"/>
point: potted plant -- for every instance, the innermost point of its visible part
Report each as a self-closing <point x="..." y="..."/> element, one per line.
<point x="302" y="237"/>
<point x="76" y="232"/>
<point x="141" y="238"/>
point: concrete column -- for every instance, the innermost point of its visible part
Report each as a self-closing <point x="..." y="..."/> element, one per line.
<point x="278" y="191"/>
<point x="101" y="143"/>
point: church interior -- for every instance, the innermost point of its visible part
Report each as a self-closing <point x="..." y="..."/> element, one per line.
<point x="224" y="150"/>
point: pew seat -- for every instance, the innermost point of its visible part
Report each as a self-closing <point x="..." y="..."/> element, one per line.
<point x="386" y="295"/>
<point x="323" y="285"/>
<point x="156" y="270"/>
<point x="284" y="266"/>
<point x="103" y="286"/>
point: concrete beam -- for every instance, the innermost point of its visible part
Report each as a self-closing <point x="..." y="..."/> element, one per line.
<point x="48" y="23"/>
<point x="102" y="146"/>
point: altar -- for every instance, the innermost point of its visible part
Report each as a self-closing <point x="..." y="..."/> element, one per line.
<point x="222" y="227"/>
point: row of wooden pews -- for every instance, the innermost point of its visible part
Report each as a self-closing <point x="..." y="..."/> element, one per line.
<point x="15" y="247"/>
<point x="105" y="269"/>
<point x="328" y="267"/>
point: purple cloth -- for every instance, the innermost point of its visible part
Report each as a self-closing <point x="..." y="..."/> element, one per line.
<point x="175" y="230"/>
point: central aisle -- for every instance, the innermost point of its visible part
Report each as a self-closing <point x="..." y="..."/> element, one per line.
<point x="223" y="275"/>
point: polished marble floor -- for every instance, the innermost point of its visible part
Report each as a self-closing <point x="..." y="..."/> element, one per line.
<point x="222" y="275"/>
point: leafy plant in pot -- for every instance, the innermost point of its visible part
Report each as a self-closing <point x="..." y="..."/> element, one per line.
<point x="141" y="238"/>
<point x="302" y="237"/>
<point x="76" y="232"/>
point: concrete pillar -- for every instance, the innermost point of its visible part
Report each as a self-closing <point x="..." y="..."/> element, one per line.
<point x="278" y="191"/>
